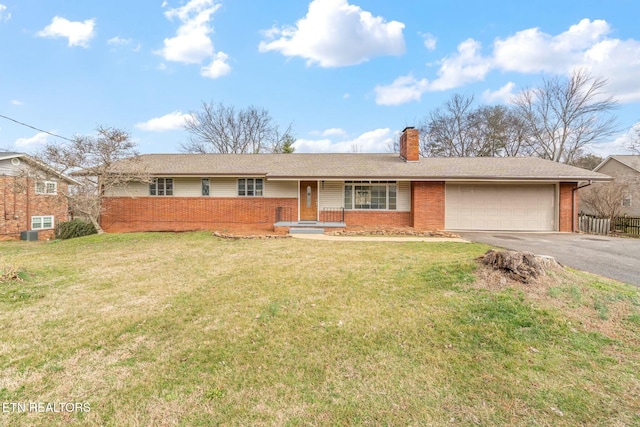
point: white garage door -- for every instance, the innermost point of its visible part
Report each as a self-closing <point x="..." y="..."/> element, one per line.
<point x="500" y="207"/>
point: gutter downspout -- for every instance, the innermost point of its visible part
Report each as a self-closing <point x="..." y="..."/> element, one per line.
<point x="573" y="201"/>
<point x="28" y="219"/>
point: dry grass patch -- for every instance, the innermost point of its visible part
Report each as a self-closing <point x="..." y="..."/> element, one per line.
<point x="187" y="329"/>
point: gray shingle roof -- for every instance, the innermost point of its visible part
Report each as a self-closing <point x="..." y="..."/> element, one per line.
<point x="362" y="166"/>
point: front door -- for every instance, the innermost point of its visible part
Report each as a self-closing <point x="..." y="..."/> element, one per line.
<point x="308" y="200"/>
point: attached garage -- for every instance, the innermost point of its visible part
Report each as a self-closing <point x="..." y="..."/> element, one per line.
<point x="513" y="207"/>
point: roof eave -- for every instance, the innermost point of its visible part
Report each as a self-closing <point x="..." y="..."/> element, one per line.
<point x="492" y="178"/>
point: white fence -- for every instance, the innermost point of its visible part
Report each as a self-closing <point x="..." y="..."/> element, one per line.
<point x="593" y="225"/>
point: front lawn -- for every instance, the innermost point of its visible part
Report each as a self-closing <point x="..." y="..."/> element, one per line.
<point x="187" y="329"/>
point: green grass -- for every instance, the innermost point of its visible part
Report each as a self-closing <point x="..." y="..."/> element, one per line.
<point x="190" y="330"/>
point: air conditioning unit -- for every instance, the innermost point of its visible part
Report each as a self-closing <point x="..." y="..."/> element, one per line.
<point x="31" y="235"/>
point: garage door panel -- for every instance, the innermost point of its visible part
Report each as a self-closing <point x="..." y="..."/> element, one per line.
<point x="500" y="207"/>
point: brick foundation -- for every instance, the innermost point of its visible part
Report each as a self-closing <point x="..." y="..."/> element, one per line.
<point x="568" y="215"/>
<point x="18" y="203"/>
<point x="125" y="214"/>
<point x="427" y="205"/>
<point x="377" y="219"/>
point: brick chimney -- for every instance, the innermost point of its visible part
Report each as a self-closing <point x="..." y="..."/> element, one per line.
<point x="410" y="144"/>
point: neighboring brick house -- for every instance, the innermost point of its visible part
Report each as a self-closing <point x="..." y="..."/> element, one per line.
<point x="32" y="197"/>
<point x="625" y="170"/>
<point x="263" y="191"/>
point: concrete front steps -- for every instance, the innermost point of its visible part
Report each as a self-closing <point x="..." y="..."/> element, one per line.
<point x="306" y="230"/>
<point x="308" y="227"/>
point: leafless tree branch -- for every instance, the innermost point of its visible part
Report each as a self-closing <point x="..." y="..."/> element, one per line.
<point x="223" y="129"/>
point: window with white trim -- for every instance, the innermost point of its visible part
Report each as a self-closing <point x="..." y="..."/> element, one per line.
<point x="44" y="222"/>
<point x="46" y="187"/>
<point x="161" y="187"/>
<point x="250" y="187"/>
<point x="626" y="201"/>
<point x="206" y="184"/>
<point x="370" y="195"/>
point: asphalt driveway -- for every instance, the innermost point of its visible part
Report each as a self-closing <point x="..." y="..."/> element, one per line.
<point x="614" y="257"/>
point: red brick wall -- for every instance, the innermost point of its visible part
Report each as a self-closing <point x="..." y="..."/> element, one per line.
<point x="16" y="208"/>
<point x="124" y="214"/>
<point x="427" y="205"/>
<point x="377" y="219"/>
<point x="568" y="215"/>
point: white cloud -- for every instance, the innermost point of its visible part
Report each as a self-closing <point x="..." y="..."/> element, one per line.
<point x="192" y="43"/>
<point x="532" y="51"/>
<point x="118" y="41"/>
<point x="430" y="41"/>
<point x="584" y="45"/>
<point x="77" y="33"/>
<point x="375" y="141"/>
<point x="617" y="60"/>
<point x="617" y="146"/>
<point x="4" y="15"/>
<point x="466" y="66"/>
<point x="38" y="139"/>
<point x="171" y="121"/>
<point x="335" y="33"/>
<point x="16" y="102"/>
<point x="502" y="95"/>
<point x="403" y="89"/>
<point x="218" y="67"/>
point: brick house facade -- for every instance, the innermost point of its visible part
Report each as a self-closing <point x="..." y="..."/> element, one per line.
<point x="28" y="203"/>
<point x="267" y="191"/>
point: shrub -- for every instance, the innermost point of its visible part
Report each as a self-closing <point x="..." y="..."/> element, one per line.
<point x="10" y="273"/>
<point x="74" y="228"/>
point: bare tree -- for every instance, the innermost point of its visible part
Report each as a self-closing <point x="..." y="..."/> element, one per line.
<point x="222" y="129"/>
<point x="458" y="130"/>
<point x="499" y="132"/>
<point x="605" y="199"/>
<point x="634" y="143"/>
<point x="586" y="161"/>
<point x="564" y="115"/>
<point x="99" y="164"/>
<point x="449" y="131"/>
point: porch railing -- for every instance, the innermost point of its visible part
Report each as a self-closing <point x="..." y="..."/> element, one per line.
<point x="285" y="214"/>
<point x="332" y="215"/>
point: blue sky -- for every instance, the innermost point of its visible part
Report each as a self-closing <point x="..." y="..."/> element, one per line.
<point x="349" y="75"/>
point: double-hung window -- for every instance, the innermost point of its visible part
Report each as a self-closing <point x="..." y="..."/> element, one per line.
<point x="41" y="222"/>
<point x="373" y="195"/>
<point x="250" y="187"/>
<point x="626" y="201"/>
<point x="206" y="184"/>
<point x="161" y="187"/>
<point x="46" y="187"/>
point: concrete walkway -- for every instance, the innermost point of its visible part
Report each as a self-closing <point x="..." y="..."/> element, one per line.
<point x="377" y="238"/>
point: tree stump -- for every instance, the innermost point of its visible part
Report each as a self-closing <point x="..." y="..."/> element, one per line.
<point x="521" y="266"/>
